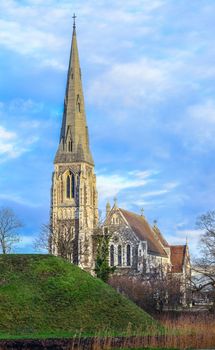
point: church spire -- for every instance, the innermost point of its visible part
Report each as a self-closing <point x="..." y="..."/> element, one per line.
<point x="74" y="142"/>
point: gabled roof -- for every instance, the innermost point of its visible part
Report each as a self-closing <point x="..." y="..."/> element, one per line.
<point x="161" y="237"/>
<point x="177" y="257"/>
<point x="143" y="231"/>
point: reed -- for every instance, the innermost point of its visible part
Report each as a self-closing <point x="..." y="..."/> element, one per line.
<point x="181" y="331"/>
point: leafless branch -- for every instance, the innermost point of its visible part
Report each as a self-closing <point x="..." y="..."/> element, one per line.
<point x="9" y="226"/>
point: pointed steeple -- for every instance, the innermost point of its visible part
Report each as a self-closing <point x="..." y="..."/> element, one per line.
<point x="74" y="141"/>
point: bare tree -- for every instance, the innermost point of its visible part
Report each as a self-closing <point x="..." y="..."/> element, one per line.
<point x="204" y="268"/>
<point x="62" y="240"/>
<point x="65" y="241"/>
<point x="43" y="241"/>
<point x="151" y="293"/>
<point x="9" y="226"/>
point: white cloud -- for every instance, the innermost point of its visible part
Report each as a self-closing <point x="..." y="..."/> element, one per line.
<point x="55" y="64"/>
<point x="130" y="188"/>
<point x="18" y="138"/>
<point x="203" y="113"/>
<point x="26" y="241"/>
<point x="179" y="237"/>
<point x="109" y="185"/>
<point x="26" y="40"/>
<point x="166" y="188"/>
<point x="131" y="83"/>
<point x="12" y="145"/>
<point x="6" y="135"/>
<point x="23" y="106"/>
<point x="197" y="126"/>
<point x="8" y="141"/>
<point x="17" y="198"/>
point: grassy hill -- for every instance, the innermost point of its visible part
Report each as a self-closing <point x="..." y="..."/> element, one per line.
<point x="42" y="295"/>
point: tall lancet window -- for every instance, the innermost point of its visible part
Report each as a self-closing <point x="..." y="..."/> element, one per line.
<point x="70" y="186"/>
<point x="73" y="185"/>
<point x="112" y="255"/>
<point x="119" y="255"/>
<point x="128" y="255"/>
<point x="70" y="146"/>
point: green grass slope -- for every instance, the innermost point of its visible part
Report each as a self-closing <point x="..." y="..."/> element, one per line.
<point x="44" y="295"/>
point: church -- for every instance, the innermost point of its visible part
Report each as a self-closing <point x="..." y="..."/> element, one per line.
<point x="135" y="247"/>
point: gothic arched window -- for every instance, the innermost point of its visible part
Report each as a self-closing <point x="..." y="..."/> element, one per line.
<point x="73" y="185"/>
<point x="68" y="186"/>
<point x="112" y="255"/>
<point x="128" y="255"/>
<point x="119" y="255"/>
<point x="70" y="146"/>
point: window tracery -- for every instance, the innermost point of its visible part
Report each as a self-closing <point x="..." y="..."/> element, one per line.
<point x="70" y="186"/>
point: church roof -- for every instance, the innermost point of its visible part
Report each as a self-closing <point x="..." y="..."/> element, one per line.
<point x="74" y="143"/>
<point x="144" y="232"/>
<point x="160" y="236"/>
<point x="177" y="257"/>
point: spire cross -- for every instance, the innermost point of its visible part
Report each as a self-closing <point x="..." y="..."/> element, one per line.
<point x="74" y="17"/>
<point x="142" y="212"/>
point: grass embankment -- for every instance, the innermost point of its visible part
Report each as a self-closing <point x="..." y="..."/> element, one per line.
<point x="44" y="296"/>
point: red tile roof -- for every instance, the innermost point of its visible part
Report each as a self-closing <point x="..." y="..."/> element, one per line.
<point x="144" y="232"/>
<point x="160" y="236"/>
<point x="177" y="256"/>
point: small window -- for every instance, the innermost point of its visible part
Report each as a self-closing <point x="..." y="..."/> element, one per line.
<point x="119" y="255"/>
<point x="112" y="255"/>
<point x="128" y="255"/>
<point x="78" y="103"/>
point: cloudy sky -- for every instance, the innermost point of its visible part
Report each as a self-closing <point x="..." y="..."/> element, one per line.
<point x="148" y="73"/>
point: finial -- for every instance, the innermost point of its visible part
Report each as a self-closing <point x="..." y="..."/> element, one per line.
<point x="142" y="212"/>
<point x="108" y="204"/>
<point x="155" y="222"/>
<point x="74" y="17"/>
<point x="186" y="240"/>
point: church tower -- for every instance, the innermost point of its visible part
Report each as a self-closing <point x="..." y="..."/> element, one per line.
<point x="74" y="208"/>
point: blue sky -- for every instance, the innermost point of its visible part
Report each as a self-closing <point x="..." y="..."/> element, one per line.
<point x="148" y="73"/>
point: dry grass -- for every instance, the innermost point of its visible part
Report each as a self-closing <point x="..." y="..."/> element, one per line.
<point x="188" y="322"/>
<point x="182" y="331"/>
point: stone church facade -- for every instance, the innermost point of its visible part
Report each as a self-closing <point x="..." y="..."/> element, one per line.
<point x="135" y="248"/>
<point x="138" y="249"/>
